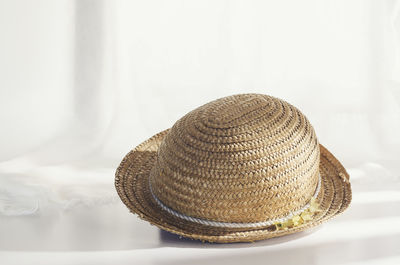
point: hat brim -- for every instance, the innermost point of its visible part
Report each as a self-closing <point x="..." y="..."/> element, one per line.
<point x="132" y="184"/>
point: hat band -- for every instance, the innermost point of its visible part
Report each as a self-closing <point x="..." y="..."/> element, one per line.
<point x="236" y="225"/>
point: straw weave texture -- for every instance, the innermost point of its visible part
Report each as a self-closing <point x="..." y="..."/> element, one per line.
<point x="241" y="159"/>
<point x="244" y="158"/>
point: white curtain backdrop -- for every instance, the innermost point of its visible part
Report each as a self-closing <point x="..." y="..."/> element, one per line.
<point x="83" y="82"/>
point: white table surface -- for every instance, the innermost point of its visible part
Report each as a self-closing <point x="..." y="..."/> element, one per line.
<point x="367" y="233"/>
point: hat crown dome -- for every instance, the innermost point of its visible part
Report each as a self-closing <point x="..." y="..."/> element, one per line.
<point x="243" y="158"/>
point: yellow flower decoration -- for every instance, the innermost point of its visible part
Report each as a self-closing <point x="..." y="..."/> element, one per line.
<point x="306" y="216"/>
<point x="314" y="206"/>
<point x="297" y="220"/>
<point x="287" y="224"/>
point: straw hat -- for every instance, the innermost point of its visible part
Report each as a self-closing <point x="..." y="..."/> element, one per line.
<point x="238" y="169"/>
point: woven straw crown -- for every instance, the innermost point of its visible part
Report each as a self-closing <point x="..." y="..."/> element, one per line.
<point x="242" y="159"/>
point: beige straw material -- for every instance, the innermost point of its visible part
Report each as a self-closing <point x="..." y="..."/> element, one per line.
<point x="242" y="159"/>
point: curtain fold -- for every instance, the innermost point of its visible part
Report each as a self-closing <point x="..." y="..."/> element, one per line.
<point x="83" y="82"/>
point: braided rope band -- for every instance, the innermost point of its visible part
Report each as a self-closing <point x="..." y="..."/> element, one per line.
<point x="236" y="225"/>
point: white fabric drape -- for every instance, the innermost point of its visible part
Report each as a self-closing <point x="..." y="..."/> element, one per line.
<point x="82" y="82"/>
